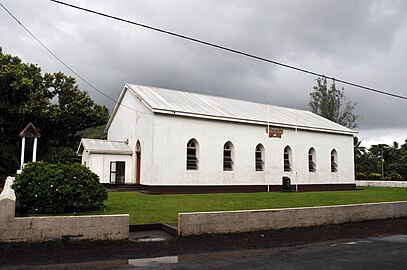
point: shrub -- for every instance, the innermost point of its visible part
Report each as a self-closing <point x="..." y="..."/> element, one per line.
<point x="58" y="188"/>
<point x="361" y="176"/>
<point x="394" y="177"/>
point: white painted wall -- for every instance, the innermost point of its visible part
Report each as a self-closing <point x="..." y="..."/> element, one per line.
<point x="171" y="134"/>
<point x="134" y="122"/>
<point x="100" y="164"/>
<point x="85" y="159"/>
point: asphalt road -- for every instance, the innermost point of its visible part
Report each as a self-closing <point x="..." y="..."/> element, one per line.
<point x="388" y="252"/>
<point x="378" y="244"/>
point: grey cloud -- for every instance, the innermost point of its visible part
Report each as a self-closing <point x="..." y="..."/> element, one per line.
<point x="360" y="41"/>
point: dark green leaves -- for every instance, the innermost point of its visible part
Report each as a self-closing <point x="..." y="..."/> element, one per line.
<point x="58" y="188"/>
<point x="331" y="104"/>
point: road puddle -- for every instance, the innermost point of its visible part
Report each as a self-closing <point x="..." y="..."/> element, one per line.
<point x="152" y="261"/>
<point x="399" y="238"/>
<point x="141" y="263"/>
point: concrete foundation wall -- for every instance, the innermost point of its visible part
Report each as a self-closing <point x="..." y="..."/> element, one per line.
<point x="256" y="220"/>
<point x="367" y="183"/>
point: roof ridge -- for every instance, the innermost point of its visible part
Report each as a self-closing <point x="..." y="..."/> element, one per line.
<point x="214" y="96"/>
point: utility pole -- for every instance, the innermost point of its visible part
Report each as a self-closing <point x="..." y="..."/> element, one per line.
<point x="381" y="154"/>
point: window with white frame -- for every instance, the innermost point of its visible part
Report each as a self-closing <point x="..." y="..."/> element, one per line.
<point x="334" y="161"/>
<point x="259" y="155"/>
<point x="312" y="166"/>
<point x="228" y="157"/>
<point x="287" y="158"/>
<point x="192" y="155"/>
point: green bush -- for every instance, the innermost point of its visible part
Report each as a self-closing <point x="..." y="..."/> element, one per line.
<point x="394" y="177"/>
<point x="361" y="176"/>
<point x="58" y="188"/>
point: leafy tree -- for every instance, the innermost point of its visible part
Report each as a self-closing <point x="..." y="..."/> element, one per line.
<point x="330" y="102"/>
<point x="93" y="133"/>
<point x="368" y="163"/>
<point x="55" y="105"/>
<point x="402" y="160"/>
<point x="381" y="153"/>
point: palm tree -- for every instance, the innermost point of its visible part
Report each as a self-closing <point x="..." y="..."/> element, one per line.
<point x="393" y="156"/>
<point x="359" y="150"/>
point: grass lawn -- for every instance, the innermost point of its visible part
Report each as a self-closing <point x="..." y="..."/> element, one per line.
<point x="165" y="208"/>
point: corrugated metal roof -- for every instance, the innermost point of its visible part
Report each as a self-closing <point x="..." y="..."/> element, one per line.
<point x="103" y="146"/>
<point x="204" y="106"/>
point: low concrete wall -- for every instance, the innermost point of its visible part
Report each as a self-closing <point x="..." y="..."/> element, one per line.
<point x="368" y="183"/>
<point x="36" y="229"/>
<point x="256" y="220"/>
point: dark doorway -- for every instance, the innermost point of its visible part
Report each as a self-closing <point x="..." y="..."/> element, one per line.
<point x="286" y="183"/>
<point x="138" y="168"/>
<point x="117" y="172"/>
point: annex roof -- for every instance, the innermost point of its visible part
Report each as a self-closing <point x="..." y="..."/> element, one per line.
<point x="103" y="147"/>
<point x="175" y="102"/>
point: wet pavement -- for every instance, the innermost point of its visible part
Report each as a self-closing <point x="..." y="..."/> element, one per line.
<point x="388" y="252"/>
<point x="366" y="245"/>
<point x="370" y="253"/>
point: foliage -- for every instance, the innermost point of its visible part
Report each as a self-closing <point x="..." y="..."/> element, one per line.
<point x="394" y="177"/>
<point x="361" y="176"/>
<point x="55" y="105"/>
<point x="58" y="188"/>
<point x="144" y="208"/>
<point x="93" y="133"/>
<point x="331" y="104"/>
<point x="368" y="162"/>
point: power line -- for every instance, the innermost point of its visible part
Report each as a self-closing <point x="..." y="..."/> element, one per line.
<point x="250" y="55"/>
<point x="63" y="63"/>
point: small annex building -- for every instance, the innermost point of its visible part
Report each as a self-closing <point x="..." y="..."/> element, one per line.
<point x="174" y="142"/>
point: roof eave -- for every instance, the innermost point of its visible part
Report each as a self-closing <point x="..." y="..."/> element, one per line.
<point x="258" y="122"/>
<point x="116" y="107"/>
<point x="112" y="152"/>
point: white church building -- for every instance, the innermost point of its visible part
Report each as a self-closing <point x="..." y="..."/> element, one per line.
<point x="182" y="142"/>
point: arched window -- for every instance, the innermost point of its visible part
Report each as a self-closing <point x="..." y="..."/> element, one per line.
<point x="287" y="159"/>
<point x="312" y="166"/>
<point x="334" y="161"/>
<point x="228" y="157"/>
<point x="192" y="154"/>
<point x="259" y="157"/>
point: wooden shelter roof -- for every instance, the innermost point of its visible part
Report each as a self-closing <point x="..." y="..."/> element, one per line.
<point x="30" y="131"/>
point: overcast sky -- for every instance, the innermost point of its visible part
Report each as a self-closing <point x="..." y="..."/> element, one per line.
<point x="364" y="42"/>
